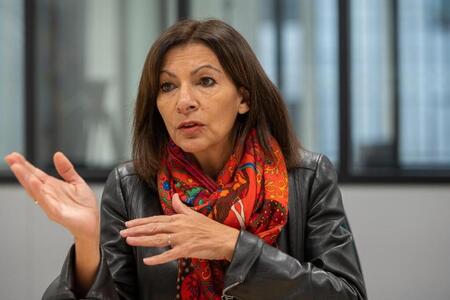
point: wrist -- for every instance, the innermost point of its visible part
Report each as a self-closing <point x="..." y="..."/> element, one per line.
<point x="230" y="245"/>
<point x="87" y="261"/>
<point x="87" y="242"/>
<point x="88" y="237"/>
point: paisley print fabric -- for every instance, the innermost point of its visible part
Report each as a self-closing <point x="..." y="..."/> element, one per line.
<point x="250" y="193"/>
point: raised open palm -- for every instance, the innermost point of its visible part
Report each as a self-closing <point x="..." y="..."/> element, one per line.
<point x="69" y="202"/>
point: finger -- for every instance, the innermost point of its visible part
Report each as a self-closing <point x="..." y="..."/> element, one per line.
<point x="66" y="169"/>
<point x="153" y="219"/>
<point x="32" y="185"/>
<point x="179" y="206"/>
<point x="164" y="257"/>
<point x="37" y="188"/>
<point x="17" y="158"/>
<point x="23" y="176"/>
<point x="9" y="159"/>
<point x="14" y="157"/>
<point x="146" y="229"/>
<point x="157" y="240"/>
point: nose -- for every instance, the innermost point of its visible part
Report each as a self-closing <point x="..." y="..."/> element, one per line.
<point x="186" y="101"/>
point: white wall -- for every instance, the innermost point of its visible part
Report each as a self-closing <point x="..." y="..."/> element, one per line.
<point x="32" y="248"/>
<point x="403" y="238"/>
<point x="402" y="233"/>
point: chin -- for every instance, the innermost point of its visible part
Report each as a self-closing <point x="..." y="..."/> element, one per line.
<point x="191" y="146"/>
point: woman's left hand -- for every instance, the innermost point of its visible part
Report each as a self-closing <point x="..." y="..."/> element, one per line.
<point x="189" y="233"/>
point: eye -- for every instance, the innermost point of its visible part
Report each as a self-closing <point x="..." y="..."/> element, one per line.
<point x="207" y="81"/>
<point x="167" y="87"/>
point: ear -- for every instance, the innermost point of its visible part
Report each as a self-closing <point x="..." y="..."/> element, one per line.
<point x="244" y="101"/>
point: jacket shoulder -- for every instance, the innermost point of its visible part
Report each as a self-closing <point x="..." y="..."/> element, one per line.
<point x="309" y="160"/>
<point x="125" y="176"/>
<point x="126" y="169"/>
<point x="314" y="165"/>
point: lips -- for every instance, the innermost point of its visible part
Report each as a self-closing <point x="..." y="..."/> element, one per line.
<point x="189" y="124"/>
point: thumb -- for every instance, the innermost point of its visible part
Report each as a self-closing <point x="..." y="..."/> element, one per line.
<point x="179" y="206"/>
<point x="66" y="169"/>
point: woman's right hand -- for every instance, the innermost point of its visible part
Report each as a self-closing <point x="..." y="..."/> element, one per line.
<point x="69" y="202"/>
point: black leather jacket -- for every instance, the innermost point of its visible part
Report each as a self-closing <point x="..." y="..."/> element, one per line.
<point x="316" y="256"/>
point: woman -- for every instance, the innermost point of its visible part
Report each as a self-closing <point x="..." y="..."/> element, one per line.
<point x="218" y="200"/>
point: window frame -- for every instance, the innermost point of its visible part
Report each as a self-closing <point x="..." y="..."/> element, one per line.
<point x="393" y="176"/>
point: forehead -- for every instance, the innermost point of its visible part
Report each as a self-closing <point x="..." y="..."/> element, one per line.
<point x="190" y="55"/>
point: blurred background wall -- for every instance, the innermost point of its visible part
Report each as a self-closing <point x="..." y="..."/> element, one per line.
<point x="367" y="82"/>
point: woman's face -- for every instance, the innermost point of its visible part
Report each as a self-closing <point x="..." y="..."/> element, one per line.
<point x="197" y="100"/>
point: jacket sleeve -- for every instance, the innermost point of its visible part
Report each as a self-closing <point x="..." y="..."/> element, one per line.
<point x="331" y="269"/>
<point x="116" y="276"/>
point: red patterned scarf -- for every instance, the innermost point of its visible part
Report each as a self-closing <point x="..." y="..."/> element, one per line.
<point x="250" y="193"/>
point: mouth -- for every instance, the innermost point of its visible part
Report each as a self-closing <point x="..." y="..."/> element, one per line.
<point x="190" y="127"/>
<point x="189" y="124"/>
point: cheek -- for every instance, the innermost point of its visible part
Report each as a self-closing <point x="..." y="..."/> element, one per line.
<point x="163" y="111"/>
<point x="223" y="117"/>
<point x="167" y="121"/>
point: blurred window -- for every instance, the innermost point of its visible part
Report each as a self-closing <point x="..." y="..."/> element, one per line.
<point x="424" y="62"/>
<point x="296" y="43"/>
<point x="84" y="60"/>
<point x="372" y="87"/>
<point x="89" y="56"/>
<point x="11" y="78"/>
<point x="400" y="91"/>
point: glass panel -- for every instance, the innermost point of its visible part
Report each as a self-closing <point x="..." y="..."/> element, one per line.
<point x="11" y="78"/>
<point x="257" y="27"/>
<point x="89" y="56"/>
<point x="306" y="70"/>
<point x="372" y="86"/>
<point x="312" y="60"/>
<point x="424" y="59"/>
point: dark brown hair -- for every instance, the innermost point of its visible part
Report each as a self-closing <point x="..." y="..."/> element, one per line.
<point x="267" y="112"/>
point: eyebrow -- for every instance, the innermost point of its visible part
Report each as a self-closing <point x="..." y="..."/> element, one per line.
<point x="206" y="66"/>
<point x="194" y="71"/>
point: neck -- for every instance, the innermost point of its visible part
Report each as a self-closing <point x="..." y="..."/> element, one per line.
<point x="213" y="161"/>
